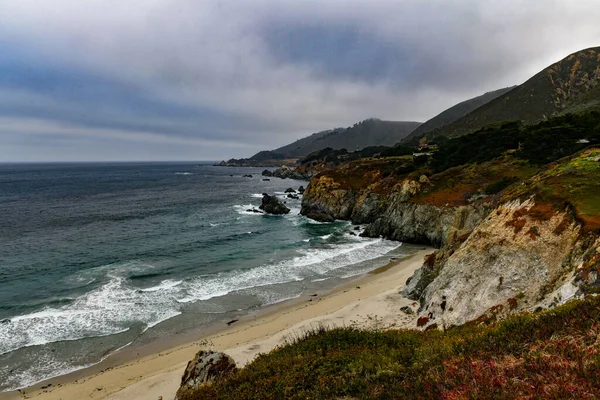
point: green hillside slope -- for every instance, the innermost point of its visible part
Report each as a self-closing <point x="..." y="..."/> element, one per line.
<point x="568" y="85"/>
<point x="457" y="111"/>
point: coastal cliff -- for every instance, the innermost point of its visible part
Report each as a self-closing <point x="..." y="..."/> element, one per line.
<point x="538" y="248"/>
<point x="533" y="244"/>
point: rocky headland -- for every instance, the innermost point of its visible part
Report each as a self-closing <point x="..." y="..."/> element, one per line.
<point x="528" y="246"/>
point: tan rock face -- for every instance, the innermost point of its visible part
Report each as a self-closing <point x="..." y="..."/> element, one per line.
<point x="325" y="200"/>
<point x="390" y="213"/>
<point x="513" y="260"/>
<point x="206" y="367"/>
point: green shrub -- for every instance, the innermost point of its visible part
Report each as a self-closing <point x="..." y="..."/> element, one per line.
<point x="502" y="184"/>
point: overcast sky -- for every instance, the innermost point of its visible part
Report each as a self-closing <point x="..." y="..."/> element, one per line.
<point x="214" y="79"/>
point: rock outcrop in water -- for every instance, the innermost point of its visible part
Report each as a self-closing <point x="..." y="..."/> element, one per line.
<point x="272" y="205"/>
<point x="498" y="253"/>
<point x="206" y="367"/>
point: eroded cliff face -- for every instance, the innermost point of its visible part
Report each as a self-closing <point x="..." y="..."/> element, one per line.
<point x="515" y="259"/>
<point x="423" y="223"/>
<point x="391" y="208"/>
<point x="326" y="200"/>
<point x="358" y="191"/>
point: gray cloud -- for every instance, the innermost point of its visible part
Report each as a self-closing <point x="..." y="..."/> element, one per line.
<point x="213" y="79"/>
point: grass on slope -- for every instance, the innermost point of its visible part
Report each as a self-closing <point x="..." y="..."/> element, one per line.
<point x="361" y="173"/>
<point x="462" y="185"/>
<point x="552" y="354"/>
<point x="572" y="182"/>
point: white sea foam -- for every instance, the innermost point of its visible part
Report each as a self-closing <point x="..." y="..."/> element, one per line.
<point x="313" y="261"/>
<point x="164" y="285"/>
<point x="294" y="211"/>
<point x="269" y="299"/>
<point x="107" y="310"/>
<point x="47" y="367"/>
<point x="184" y="173"/>
<point x="324" y="237"/>
<point x="44" y="367"/>
<point x="242" y="209"/>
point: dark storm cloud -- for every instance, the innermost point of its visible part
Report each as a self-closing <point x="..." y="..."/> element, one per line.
<point x="188" y="80"/>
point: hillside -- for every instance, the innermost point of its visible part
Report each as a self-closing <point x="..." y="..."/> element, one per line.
<point x="547" y="355"/>
<point x="370" y="132"/>
<point x="520" y="201"/>
<point x="457" y="111"/>
<point x="568" y="85"/>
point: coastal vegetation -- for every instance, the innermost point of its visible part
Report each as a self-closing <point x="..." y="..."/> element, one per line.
<point x="548" y="354"/>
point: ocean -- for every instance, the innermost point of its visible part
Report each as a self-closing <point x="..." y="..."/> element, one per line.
<point x="95" y="258"/>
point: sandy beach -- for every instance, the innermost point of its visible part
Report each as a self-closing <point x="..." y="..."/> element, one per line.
<point x="371" y="302"/>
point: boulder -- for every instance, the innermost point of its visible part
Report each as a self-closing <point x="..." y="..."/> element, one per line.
<point x="266" y="179"/>
<point x="266" y="172"/>
<point x="293" y="196"/>
<point x="289" y="190"/>
<point x="301" y="189"/>
<point x="206" y="367"/>
<point x="248" y="176"/>
<point x="272" y="205"/>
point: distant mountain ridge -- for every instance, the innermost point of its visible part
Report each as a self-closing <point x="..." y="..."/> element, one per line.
<point x="457" y="111"/>
<point x="367" y="133"/>
<point x="370" y="132"/>
<point x="569" y="85"/>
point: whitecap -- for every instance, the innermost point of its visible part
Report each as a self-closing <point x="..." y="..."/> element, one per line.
<point x="164" y="285"/>
<point x="107" y="310"/>
<point x="243" y="209"/>
<point x="309" y="263"/>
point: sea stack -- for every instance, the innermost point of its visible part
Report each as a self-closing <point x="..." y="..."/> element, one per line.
<point x="272" y="205"/>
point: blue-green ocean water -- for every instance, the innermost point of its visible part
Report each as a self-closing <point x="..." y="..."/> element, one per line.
<point x="95" y="257"/>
